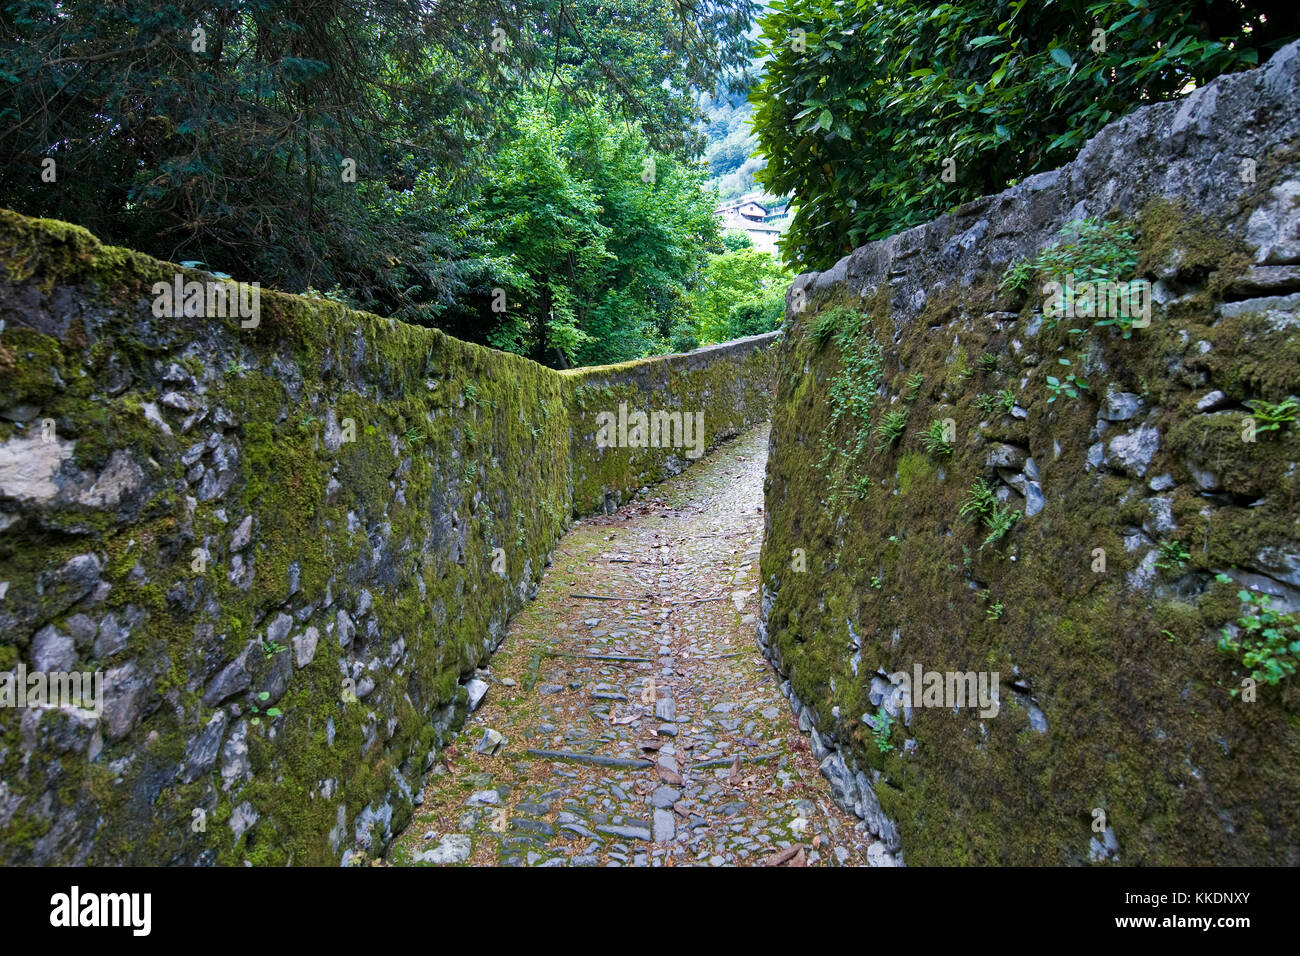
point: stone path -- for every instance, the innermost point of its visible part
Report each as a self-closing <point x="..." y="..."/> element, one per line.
<point x="646" y="730"/>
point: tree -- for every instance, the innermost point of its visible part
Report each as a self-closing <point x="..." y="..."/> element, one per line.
<point x="741" y="292"/>
<point x="865" y="105"/>
<point x="604" y="236"/>
<point x="285" y="141"/>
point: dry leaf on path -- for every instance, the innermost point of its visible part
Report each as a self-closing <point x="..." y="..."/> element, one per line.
<point x="783" y="856"/>
<point x="669" y="777"/>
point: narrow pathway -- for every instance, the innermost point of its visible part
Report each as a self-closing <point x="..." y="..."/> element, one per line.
<point x="646" y="730"/>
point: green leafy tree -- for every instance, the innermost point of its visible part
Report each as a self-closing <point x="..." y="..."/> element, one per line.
<point x="604" y="236"/>
<point x="865" y="105"/>
<point x="332" y="145"/>
<point x="741" y="292"/>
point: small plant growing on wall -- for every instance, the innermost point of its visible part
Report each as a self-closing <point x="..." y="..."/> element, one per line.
<point x="1071" y="387"/>
<point x="1268" y="641"/>
<point x="890" y="428"/>
<point x="1172" y="556"/>
<point x="914" y="383"/>
<point x="936" y="440"/>
<point x="981" y="504"/>
<point x="1270" y="417"/>
<point x="884" y="727"/>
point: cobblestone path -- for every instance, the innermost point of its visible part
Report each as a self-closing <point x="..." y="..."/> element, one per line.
<point x="647" y="730"/>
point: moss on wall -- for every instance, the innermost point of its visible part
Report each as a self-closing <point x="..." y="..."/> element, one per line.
<point x="396" y="491"/>
<point x="1121" y="663"/>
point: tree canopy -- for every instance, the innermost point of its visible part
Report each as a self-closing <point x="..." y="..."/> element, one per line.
<point x="879" y="116"/>
<point x="350" y="147"/>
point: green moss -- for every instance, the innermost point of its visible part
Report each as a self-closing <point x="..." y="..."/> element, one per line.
<point x="1138" y="724"/>
<point x="398" y="517"/>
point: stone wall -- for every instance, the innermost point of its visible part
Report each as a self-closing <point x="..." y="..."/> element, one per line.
<point x="1144" y="509"/>
<point x="713" y="392"/>
<point x="286" y="548"/>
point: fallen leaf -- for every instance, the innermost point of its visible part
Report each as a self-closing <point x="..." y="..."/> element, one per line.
<point x="781" y="856"/>
<point x="625" y="719"/>
<point x="669" y="777"/>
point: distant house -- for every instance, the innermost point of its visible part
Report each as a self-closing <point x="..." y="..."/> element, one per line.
<point x="754" y="218"/>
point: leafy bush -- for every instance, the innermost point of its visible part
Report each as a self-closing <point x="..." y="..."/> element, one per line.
<point x="858" y="113"/>
<point x="740" y="292"/>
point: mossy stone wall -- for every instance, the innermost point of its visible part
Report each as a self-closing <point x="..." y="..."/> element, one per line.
<point x="287" y="548"/>
<point x="1117" y="738"/>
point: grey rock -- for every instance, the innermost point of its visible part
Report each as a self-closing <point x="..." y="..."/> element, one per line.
<point x="1274" y="227"/>
<point x="477" y="691"/>
<point x="1120" y="406"/>
<point x="1132" y="452"/>
<point x="1096" y="454"/>
<point x="878" y="855"/>
<point x="242" y="818"/>
<point x="664" y="797"/>
<point x="20" y="413"/>
<point x="126" y="691"/>
<point x="304" y="646"/>
<point x="53" y="651"/>
<point x="279" y="629"/>
<point x="1280" y="312"/>
<point x="201" y="752"/>
<point x="626" y="831"/>
<point x="243" y="534"/>
<point x="1210" y="401"/>
<point x="454" y="848"/>
<point x="345" y="629"/>
<point x="1005" y="456"/>
<point x="491" y="743"/>
<point x="1161" y="520"/>
<point x="82" y="629"/>
<point x="232" y="679"/>
<point x="665" y="826"/>
<point x="112" y="636"/>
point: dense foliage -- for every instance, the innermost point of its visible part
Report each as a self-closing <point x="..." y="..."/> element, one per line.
<point x="604" y="235"/>
<point x="351" y="147"/>
<point x="863" y="102"/>
<point x="742" y="292"/>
